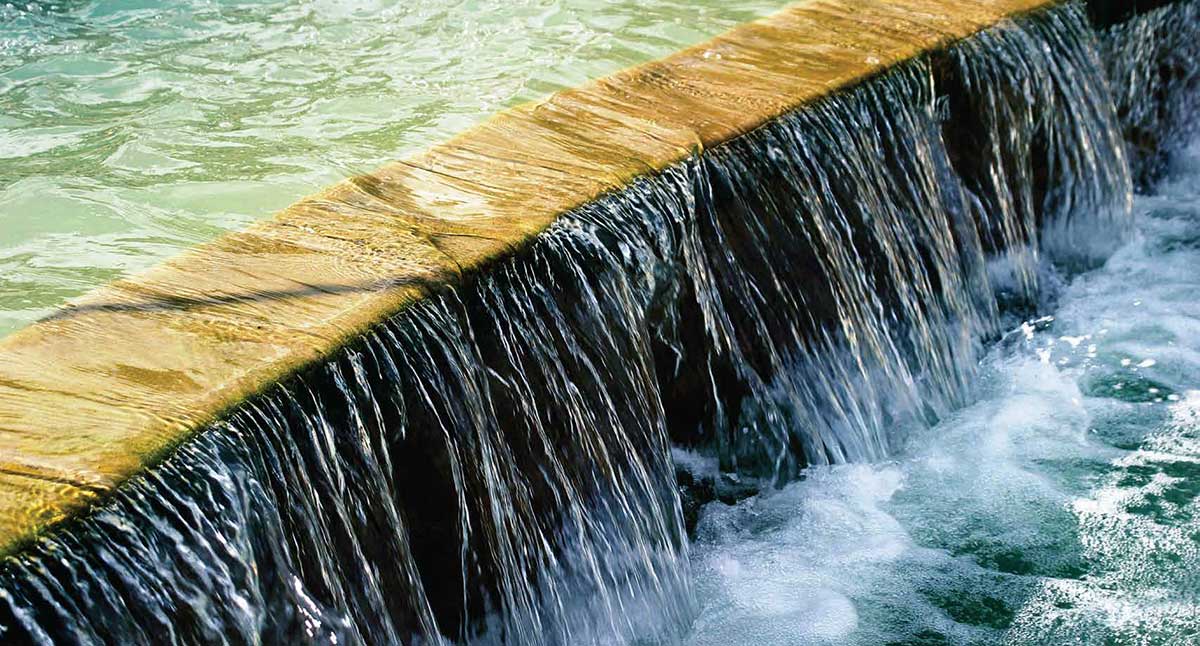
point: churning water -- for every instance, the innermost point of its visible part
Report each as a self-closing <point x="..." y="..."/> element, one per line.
<point x="846" y="284"/>
<point x="1063" y="507"/>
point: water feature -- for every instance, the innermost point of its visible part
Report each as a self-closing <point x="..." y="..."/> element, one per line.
<point x="1060" y="508"/>
<point x="132" y="130"/>
<point x="499" y="462"/>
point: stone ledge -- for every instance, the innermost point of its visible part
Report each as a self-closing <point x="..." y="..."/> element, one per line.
<point x="113" y="382"/>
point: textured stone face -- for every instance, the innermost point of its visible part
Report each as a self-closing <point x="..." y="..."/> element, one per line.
<point x="115" y="380"/>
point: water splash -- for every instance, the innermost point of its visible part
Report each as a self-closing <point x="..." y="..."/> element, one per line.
<point x="494" y="464"/>
<point x="1061" y="507"/>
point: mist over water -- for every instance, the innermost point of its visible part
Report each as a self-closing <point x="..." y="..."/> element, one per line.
<point x="1060" y="508"/>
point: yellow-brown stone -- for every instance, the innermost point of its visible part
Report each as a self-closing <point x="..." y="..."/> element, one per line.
<point x="112" y="382"/>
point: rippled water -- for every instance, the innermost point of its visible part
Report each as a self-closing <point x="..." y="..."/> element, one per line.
<point x="130" y="130"/>
<point x="1062" y="508"/>
<point x="1059" y="508"/>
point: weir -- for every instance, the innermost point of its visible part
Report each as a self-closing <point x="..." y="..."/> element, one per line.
<point x="488" y="450"/>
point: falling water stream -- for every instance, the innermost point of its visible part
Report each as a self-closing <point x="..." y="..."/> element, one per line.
<point x="934" y="275"/>
<point x="1062" y="507"/>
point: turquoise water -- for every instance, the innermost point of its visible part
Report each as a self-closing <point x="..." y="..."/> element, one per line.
<point x="131" y="130"/>
<point x="1061" y="508"/>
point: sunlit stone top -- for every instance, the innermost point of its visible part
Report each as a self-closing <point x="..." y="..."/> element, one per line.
<point x="119" y="377"/>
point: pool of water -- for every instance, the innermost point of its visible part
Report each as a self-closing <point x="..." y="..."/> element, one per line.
<point x="130" y="130"/>
<point x="1061" y="508"/>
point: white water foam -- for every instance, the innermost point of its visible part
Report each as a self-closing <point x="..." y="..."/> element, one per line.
<point x="1061" y="508"/>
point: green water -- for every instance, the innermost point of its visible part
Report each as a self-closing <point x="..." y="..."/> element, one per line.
<point x="132" y="130"/>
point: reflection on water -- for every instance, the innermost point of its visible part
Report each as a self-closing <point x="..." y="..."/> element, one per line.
<point x="131" y="130"/>
<point x="1062" y="508"/>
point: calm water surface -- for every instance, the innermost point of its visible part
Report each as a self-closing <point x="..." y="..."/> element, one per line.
<point x="130" y="130"/>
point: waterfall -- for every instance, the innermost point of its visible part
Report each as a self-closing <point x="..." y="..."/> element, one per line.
<point x="1153" y="61"/>
<point x="495" y="463"/>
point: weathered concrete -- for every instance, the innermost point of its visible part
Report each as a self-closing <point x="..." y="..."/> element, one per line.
<point x="114" y="381"/>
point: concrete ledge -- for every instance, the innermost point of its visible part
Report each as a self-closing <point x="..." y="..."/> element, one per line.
<point x="117" y="379"/>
